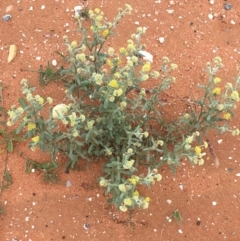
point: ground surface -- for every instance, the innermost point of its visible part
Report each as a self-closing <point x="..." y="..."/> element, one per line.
<point x="207" y="197"/>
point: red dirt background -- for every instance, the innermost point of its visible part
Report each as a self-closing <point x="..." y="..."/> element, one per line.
<point x="38" y="211"/>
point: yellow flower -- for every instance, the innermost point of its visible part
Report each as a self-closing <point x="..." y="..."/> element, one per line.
<point x="135" y="193"/>
<point x="105" y="33"/>
<point x="81" y="57"/>
<point x="123" y="51"/>
<point x="122" y="187"/>
<point x="118" y="92"/>
<point x="35" y="139"/>
<point x="235" y="95"/>
<point x="40" y="101"/>
<point x="92" y="28"/>
<point x="159" y="177"/>
<point x="97" y="10"/>
<point x="127" y="201"/>
<point x="31" y="126"/>
<point x="216" y="80"/>
<point x="49" y="100"/>
<point x="227" y="116"/>
<point x="113" y="83"/>
<point x="174" y="66"/>
<point x="216" y="91"/>
<point x="146" y="67"/>
<point x="103" y="183"/>
<point x="109" y="63"/>
<point x="147" y="199"/>
<point x="198" y="150"/>
<point x="189" y="139"/>
<point x="74" y="44"/>
<point x="131" y="47"/>
<point x="235" y="132"/>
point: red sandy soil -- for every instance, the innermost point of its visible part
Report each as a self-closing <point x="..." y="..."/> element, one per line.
<point x="37" y="211"/>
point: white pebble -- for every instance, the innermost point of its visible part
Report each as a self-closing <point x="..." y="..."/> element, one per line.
<point x="90" y="199"/>
<point x="32" y="226"/>
<point x="219" y="141"/>
<point x="180" y="231"/>
<point x="232" y="22"/>
<point x="238" y="174"/>
<point x="172" y="2"/>
<point x="210" y="16"/>
<point x="33" y="170"/>
<point x="33" y="203"/>
<point x="181" y="186"/>
<point x="211" y="1"/>
<point x="42" y="7"/>
<point x="170" y="11"/>
<point x="31" y="8"/>
<point x="27" y="219"/>
<point x="38" y="58"/>
<point x="214" y="203"/>
<point x="169" y="201"/>
<point x="137" y="23"/>
<point x="161" y="39"/>
<point x="54" y="62"/>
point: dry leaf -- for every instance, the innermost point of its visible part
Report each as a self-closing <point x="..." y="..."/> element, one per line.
<point x="12" y="52"/>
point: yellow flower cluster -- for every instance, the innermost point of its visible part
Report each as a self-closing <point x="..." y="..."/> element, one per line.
<point x="31" y="126"/>
<point x="118" y="92"/>
<point x="146" y="67"/>
<point x="198" y="150"/>
<point x="235" y="96"/>
<point x="227" y="116"/>
<point x="113" y="83"/>
<point x="134" y="180"/>
<point x="216" y="91"/>
<point x="35" y="139"/>
<point x="216" y="80"/>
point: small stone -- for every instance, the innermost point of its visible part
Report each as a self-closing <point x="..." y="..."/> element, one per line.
<point x="238" y="174"/>
<point x="210" y="16"/>
<point x="214" y="203"/>
<point x="42" y="7"/>
<point x="77" y="10"/>
<point x="169" y="201"/>
<point x="38" y="58"/>
<point x="137" y="23"/>
<point x="33" y="170"/>
<point x="219" y="141"/>
<point x="146" y="55"/>
<point x="211" y="1"/>
<point x="9" y="8"/>
<point x="161" y="39"/>
<point x="227" y="6"/>
<point x="54" y="62"/>
<point x="170" y="11"/>
<point x="6" y="17"/>
<point x="181" y="186"/>
<point x="27" y="219"/>
<point x="31" y="8"/>
<point x="232" y="22"/>
<point x="180" y="231"/>
<point x="172" y="2"/>
<point x="68" y="184"/>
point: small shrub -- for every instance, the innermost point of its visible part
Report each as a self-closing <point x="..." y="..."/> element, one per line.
<point x="108" y="115"/>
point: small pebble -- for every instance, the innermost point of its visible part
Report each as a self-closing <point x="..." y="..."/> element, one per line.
<point x="211" y="1"/>
<point x="172" y="2"/>
<point x="31" y="8"/>
<point x="38" y="58"/>
<point x="6" y="17"/>
<point x="227" y="6"/>
<point x="9" y="8"/>
<point x="77" y="9"/>
<point x="161" y="39"/>
<point x="219" y="141"/>
<point x="214" y="203"/>
<point x="238" y="174"/>
<point x="210" y="16"/>
<point x="54" y="62"/>
<point x="68" y="184"/>
<point x="169" y="201"/>
<point x="42" y="7"/>
<point x="170" y="11"/>
<point x="232" y="22"/>
<point x="180" y="231"/>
